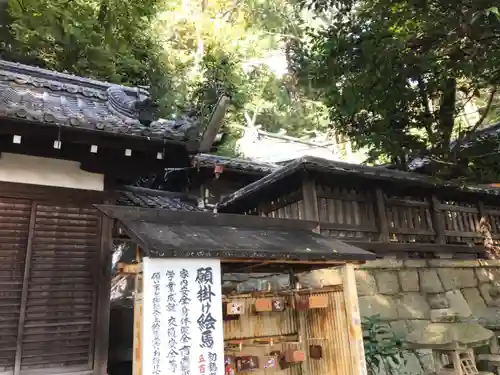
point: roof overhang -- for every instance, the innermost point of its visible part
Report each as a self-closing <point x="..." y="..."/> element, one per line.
<point x="243" y="240"/>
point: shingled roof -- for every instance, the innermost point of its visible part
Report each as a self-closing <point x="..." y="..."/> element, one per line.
<point x="333" y="168"/>
<point x="46" y="97"/>
<point x="235" y="164"/>
<point x="132" y="196"/>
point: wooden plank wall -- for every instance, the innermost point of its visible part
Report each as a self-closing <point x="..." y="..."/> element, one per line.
<point x="328" y="327"/>
<point x="369" y="215"/>
<point x="50" y="256"/>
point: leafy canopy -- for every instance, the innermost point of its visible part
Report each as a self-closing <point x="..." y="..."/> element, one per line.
<point x="188" y="53"/>
<point x="396" y="74"/>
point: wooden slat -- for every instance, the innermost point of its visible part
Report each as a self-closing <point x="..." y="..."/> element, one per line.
<point x="406" y="202"/>
<point x="382" y="216"/>
<point x="62" y="287"/>
<point x="24" y="295"/>
<point x="14" y="229"/>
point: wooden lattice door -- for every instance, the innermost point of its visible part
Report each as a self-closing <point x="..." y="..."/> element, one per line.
<point x="50" y="286"/>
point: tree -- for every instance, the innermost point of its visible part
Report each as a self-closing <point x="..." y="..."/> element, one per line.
<point x="395" y="75"/>
<point x="188" y="52"/>
<point x="109" y="40"/>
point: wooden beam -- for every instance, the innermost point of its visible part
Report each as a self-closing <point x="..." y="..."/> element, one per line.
<point x="138" y="308"/>
<point x="103" y="299"/>
<point x="24" y="293"/>
<point x="382" y="248"/>
<point x="311" y="212"/>
<point x="382" y="216"/>
<point x="214" y="124"/>
<point x="356" y="347"/>
<point x="438" y="220"/>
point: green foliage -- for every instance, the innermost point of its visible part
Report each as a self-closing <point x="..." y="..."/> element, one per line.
<point x="187" y="52"/>
<point x="383" y="350"/>
<point x="107" y="39"/>
<point x="395" y="74"/>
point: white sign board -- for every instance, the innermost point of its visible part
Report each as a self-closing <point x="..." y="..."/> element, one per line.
<point x="182" y="317"/>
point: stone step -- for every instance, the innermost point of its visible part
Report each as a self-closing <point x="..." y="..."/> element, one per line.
<point x="494" y="359"/>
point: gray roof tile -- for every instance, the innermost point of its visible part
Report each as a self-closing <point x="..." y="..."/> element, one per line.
<point x="43" y="96"/>
<point x="148" y="198"/>
<point x="208" y="160"/>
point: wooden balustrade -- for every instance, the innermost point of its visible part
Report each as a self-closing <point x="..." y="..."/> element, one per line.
<point x="387" y="223"/>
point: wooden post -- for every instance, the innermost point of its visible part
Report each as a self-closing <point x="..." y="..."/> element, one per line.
<point x="137" y="355"/>
<point x="356" y="346"/>
<point x="482" y="210"/>
<point x="438" y="220"/>
<point x="311" y="211"/>
<point x="24" y="292"/>
<point x="382" y="216"/>
<point x="103" y="298"/>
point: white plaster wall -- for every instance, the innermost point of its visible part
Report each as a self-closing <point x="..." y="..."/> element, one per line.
<point x="49" y="172"/>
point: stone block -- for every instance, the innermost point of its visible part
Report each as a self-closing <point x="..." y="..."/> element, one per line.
<point x="458" y="304"/>
<point x="429" y="281"/>
<point x="408" y="280"/>
<point x="365" y="283"/>
<point x="453" y="263"/>
<point x="383" y="264"/>
<point x="426" y="360"/>
<point x="414" y="325"/>
<point x="412" y="365"/>
<point x="320" y="278"/>
<point x="413" y="306"/>
<point x="387" y="282"/>
<point x="488" y="275"/>
<point x="491" y="294"/>
<point x="443" y="315"/>
<point x="457" y="278"/>
<point x="378" y="305"/>
<point x="438" y="301"/>
<point x="415" y="263"/>
<point x="400" y="328"/>
<point x="474" y="300"/>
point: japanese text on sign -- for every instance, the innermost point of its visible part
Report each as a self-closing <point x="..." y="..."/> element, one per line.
<point x="182" y="317"/>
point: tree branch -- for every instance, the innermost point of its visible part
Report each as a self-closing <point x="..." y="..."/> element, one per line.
<point x="469" y="134"/>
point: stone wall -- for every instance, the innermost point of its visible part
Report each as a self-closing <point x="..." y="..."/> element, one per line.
<point x="411" y="293"/>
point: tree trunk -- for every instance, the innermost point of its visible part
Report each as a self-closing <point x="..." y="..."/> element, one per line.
<point x="447" y="115"/>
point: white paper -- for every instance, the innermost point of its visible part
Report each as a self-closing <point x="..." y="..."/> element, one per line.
<point x="182" y="317"/>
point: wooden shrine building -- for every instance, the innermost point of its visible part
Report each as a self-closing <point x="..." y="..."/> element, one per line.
<point x="64" y="141"/>
<point x="295" y="323"/>
<point x="381" y="210"/>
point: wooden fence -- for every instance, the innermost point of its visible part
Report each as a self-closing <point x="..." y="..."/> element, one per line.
<point x="388" y="223"/>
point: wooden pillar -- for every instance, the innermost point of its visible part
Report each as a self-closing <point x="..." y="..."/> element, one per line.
<point x="356" y="347"/>
<point x="137" y="359"/>
<point x="24" y="292"/>
<point x="438" y="220"/>
<point x="103" y="298"/>
<point x="382" y="216"/>
<point x="310" y="198"/>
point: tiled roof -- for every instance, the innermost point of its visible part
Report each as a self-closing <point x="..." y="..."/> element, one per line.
<point x="313" y="164"/>
<point x="148" y="198"/>
<point x="208" y="160"/>
<point x="43" y="96"/>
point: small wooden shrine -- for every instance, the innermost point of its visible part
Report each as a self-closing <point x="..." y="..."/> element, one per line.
<point x="228" y="294"/>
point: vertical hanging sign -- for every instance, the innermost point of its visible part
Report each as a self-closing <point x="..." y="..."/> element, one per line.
<point x="182" y="317"/>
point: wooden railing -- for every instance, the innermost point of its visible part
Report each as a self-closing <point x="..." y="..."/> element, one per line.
<point x="418" y="224"/>
<point x="384" y="223"/>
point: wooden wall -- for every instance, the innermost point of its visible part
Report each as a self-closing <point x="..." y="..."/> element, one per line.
<point x="50" y="273"/>
<point x="371" y="215"/>
<point x="327" y="327"/>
